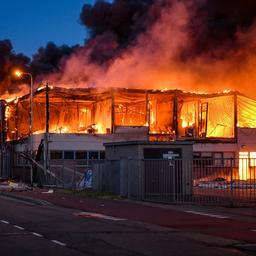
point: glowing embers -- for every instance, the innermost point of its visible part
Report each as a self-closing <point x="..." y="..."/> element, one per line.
<point x="61" y="129"/>
<point x="247" y="165"/>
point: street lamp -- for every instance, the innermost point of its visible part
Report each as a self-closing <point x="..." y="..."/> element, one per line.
<point x="19" y="74"/>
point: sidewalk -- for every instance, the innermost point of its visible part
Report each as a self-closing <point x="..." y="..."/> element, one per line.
<point x="117" y="206"/>
<point x="238" y="225"/>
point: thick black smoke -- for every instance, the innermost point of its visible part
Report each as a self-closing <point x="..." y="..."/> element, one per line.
<point x="9" y="61"/>
<point x="48" y="59"/>
<point x="124" y="18"/>
<point x="117" y="24"/>
<point x="114" y="27"/>
<point x="220" y="20"/>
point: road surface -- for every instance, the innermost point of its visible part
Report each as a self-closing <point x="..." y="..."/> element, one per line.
<point x="28" y="228"/>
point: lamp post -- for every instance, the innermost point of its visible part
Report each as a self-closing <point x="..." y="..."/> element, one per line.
<point x="19" y="73"/>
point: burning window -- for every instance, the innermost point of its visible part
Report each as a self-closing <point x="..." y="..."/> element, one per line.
<point x="247" y="164"/>
<point x="220" y="118"/>
<point x="246" y="109"/>
<point x="187" y="118"/>
<point x="130" y="109"/>
<point x="160" y="113"/>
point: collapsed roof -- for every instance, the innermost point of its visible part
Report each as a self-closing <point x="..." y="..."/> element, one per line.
<point x="173" y="113"/>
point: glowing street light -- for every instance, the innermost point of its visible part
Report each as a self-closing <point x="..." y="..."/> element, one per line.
<point x="19" y="74"/>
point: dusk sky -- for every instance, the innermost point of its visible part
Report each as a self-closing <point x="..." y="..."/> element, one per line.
<point x="30" y="24"/>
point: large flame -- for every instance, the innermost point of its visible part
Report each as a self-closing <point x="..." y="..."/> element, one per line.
<point x="247" y="165"/>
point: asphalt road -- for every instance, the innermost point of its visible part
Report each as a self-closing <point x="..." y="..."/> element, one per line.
<point x="229" y="223"/>
<point x="32" y="229"/>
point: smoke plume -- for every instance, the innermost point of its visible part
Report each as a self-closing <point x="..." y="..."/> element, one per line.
<point x="8" y="62"/>
<point x="190" y="45"/>
<point x="201" y="45"/>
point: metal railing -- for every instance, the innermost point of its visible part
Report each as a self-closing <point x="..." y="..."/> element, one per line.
<point x="199" y="181"/>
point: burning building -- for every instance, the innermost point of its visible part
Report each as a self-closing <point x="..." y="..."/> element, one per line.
<point x="79" y="121"/>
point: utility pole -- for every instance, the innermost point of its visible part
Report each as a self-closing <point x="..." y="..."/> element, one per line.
<point x="2" y="137"/>
<point x="46" y="137"/>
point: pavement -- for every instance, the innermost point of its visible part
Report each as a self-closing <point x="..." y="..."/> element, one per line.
<point x="218" y="225"/>
<point x="28" y="228"/>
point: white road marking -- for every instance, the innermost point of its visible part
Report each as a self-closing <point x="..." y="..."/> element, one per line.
<point x="5" y="222"/>
<point x="208" y="214"/>
<point x="58" y="242"/>
<point x="36" y="234"/>
<point x="19" y="227"/>
<point x="97" y="215"/>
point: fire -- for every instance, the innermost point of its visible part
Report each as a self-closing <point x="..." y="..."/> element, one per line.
<point x="42" y="87"/>
<point x="7" y="112"/>
<point x="10" y="99"/>
<point x="185" y="122"/>
<point x="59" y="129"/>
<point x="38" y="132"/>
<point x="91" y="111"/>
<point x="247" y="165"/>
<point x="99" y="128"/>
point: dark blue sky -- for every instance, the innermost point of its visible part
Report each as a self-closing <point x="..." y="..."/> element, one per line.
<point x="30" y="24"/>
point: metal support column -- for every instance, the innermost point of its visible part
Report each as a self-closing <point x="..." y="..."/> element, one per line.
<point x="46" y="137"/>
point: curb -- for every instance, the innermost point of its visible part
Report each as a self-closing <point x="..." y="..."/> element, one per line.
<point x="246" y="247"/>
<point x="26" y="199"/>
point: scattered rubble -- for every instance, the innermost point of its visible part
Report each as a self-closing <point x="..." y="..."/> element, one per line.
<point x="50" y="191"/>
<point x="10" y="185"/>
<point x="238" y="184"/>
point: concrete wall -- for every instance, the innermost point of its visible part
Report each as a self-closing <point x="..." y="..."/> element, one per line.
<point x="135" y="149"/>
<point x="122" y="151"/>
<point x="135" y="176"/>
<point x="246" y="139"/>
<point x="215" y="147"/>
<point x="66" y="141"/>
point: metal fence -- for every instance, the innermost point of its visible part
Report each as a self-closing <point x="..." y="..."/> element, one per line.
<point x="66" y="175"/>
<point x="61" y="174"/>
<point x="200" y="181"/>
<point x="197" y="181"/>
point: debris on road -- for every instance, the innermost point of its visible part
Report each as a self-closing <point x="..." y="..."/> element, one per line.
<point x="9" y="185"/>
<point x="50" y="191"/>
